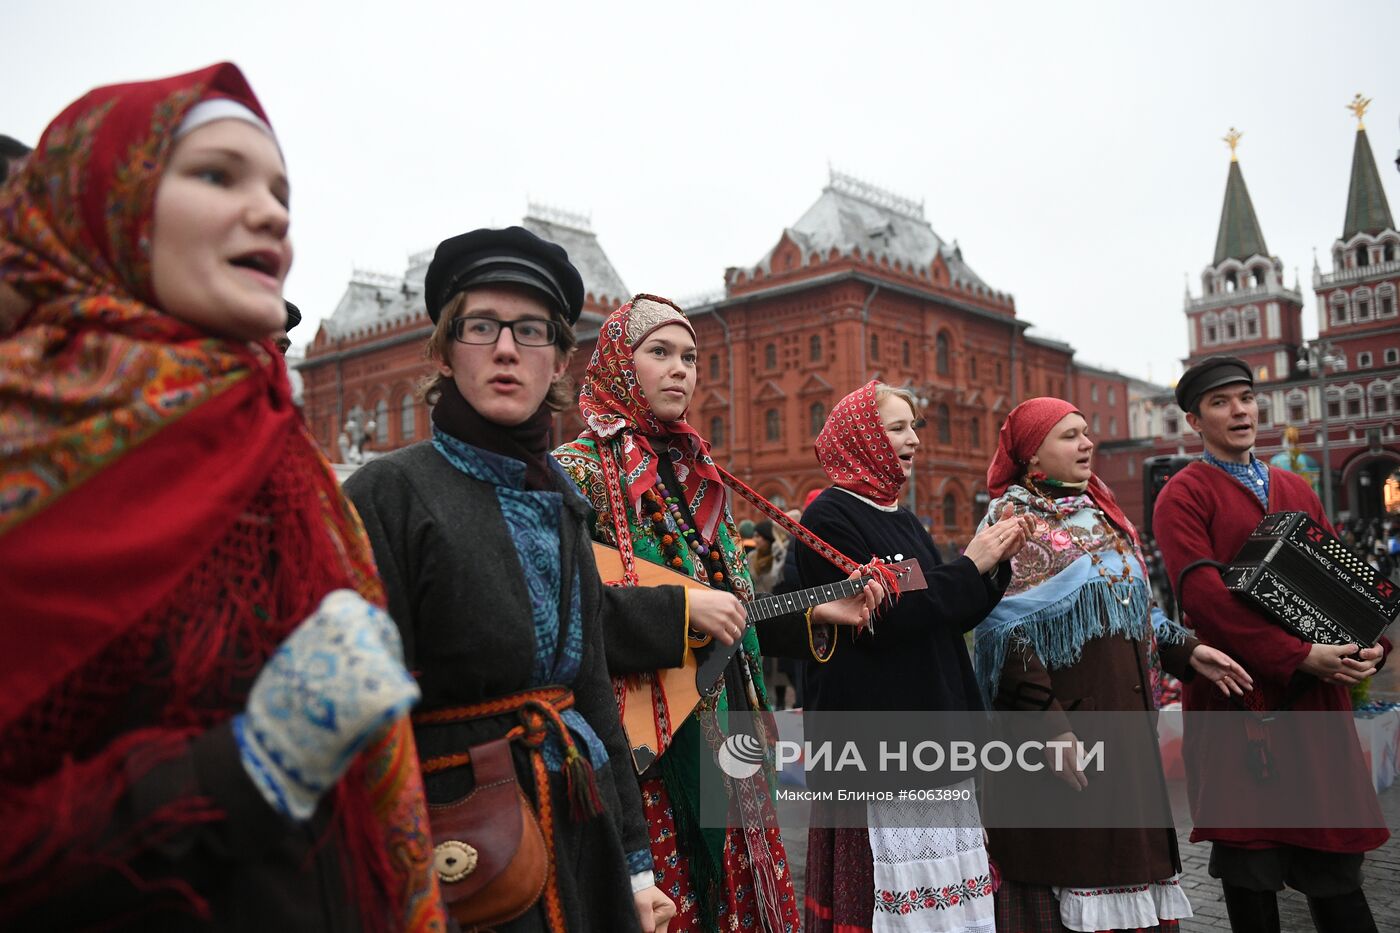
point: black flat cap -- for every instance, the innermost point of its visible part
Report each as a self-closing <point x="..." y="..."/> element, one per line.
<point x="514" y="256"/>
<point x="1210" y="373"/>
<point x="293" y="315"/>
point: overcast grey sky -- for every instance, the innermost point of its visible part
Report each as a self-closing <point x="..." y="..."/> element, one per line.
<point x="1073" y="149"/>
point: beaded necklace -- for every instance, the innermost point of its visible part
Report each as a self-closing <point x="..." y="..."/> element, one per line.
<point x="708" y="560"/>
<point x="1119" y="544"/>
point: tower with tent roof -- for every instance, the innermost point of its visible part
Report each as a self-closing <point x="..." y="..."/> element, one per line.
<point x="1244" y="308"/>
<point x="1358" y="313"/>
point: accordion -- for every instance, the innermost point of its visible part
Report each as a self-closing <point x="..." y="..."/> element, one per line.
<point x="1311" y="584"/>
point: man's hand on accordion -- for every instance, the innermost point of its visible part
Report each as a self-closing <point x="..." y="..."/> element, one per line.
<point x="1341" y="664"/>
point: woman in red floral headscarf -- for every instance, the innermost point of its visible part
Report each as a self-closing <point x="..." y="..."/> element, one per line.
<point x="649" y="476"/>
<point x="907" y="865"/>
<point x="184" y="741"/>
<point x="1076" y="632"/>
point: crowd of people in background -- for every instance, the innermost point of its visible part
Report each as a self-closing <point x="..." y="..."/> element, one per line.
<point x="240" y="696"/>
<point x="1375" y="541"/>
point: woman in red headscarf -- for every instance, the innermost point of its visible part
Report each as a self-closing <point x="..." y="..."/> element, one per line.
<point x="1076" y="632"/>
<point x="886" y="875"/>
<point x="648" y="474"/>
<point x="182" y="741"/>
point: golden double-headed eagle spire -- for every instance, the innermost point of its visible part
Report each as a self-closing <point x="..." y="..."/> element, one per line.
<point x="1232" y="139"/>
<point x="1358" y="107"/>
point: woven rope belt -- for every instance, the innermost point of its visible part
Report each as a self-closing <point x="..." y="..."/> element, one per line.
<point x="538" y="712"/>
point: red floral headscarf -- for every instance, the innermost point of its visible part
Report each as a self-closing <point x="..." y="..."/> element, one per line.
<point x="1025" y="429"/>
<point x="855" y="451"/>
<point x="612" y="404"/>
<point x="165" y="521"/>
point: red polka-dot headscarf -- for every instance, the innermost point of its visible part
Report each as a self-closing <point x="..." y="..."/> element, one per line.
<point x="855" y="451"/>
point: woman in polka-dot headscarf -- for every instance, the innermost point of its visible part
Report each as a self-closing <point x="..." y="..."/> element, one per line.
<point x="867" y="870"/>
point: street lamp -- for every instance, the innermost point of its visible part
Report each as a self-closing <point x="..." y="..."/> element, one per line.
<point x="1315" y="357"/>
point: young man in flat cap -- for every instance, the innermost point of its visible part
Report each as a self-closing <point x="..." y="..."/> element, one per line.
<point x="488" y="572"/>
<point x="1206" y="512"/>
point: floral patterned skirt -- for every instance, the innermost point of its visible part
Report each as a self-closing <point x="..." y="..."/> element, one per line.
<point x="840" y="882"/>
<point x="737" y="907"/>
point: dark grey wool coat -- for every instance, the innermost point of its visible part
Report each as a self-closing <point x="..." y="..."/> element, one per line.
<point x="458" y="594"/>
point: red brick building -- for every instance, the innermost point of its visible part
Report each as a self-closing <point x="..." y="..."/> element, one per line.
<point x="1349" y="406"/>
<point x="859" y="287"/>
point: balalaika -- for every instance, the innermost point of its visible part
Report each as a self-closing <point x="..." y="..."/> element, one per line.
<point x="1311" y="584"/>
<point x="672" y="694"/>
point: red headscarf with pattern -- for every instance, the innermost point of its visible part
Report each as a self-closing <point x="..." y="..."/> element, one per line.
<point x="855" y="451"/>
<point x="613" y="405"/>
<point x="1021" y="435"/>
<point x="165" y="521"/>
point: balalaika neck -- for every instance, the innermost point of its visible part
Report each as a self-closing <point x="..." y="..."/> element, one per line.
<point x="768" y="607"/>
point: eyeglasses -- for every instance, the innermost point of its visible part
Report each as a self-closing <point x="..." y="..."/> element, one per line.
<point x="528" y="332"/>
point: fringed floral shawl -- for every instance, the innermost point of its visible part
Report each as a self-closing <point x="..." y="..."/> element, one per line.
<point x="1060" y="598"/>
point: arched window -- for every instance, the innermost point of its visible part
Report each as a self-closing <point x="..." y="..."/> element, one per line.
<point x="814" y="348"/>
<point x="717" y="431"/>
<point x="1210" y="328"/>
<point x="1380" y="399"/>
<point x="1230" y="326"/>
<point x="1339" y="307"/>
<point x="874" y="346"/>
<point x="714" y="365"/>
<point x="1260" y="275"/>
<point x="950" y="511"/>
<point x="943" y="421"/>
<point x="773" y="424"/>
<point x="1265" y="410"/>
<point x="1232" y="281"/>
<point x="1353" y="402"/>
<point x="1388" y="251"/>
<point x="941" y="355"/>
<point x="1112" y="425"/>
<point x="381" y="422"/>
<point x="1094" y="423"/>
<point x="816" y="418"/>
<point x="906" y="353"/>
<point x="1334" y="402"/>
<point x="1385" y="301"/>
<point x="974" y="428"/>
<point x="1250" y="320"/>
<point x="770" y="356"/>
<point x="1361" y="304"/>
<point x="1363" y="255"/>
<point x="408" y="428"/>
<point x="1297" y="408"/>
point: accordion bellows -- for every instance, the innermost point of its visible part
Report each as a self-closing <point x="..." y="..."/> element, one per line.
<point x="1311" y="583"/>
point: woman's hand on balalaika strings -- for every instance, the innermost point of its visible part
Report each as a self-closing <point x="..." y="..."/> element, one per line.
<point x="853" y="610"/>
